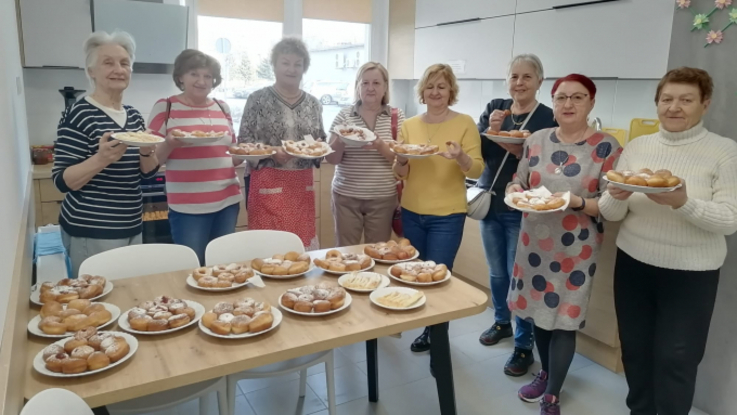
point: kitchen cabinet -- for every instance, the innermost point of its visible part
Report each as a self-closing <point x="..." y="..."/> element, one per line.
<point x="526" y="6"/>
<point x="476" y="50"/>
<point x="433" y="12"/>
<point x="621" y="39"/>
<point x="54" y="31"/>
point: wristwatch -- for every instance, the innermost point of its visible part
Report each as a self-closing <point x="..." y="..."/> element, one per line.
<point x="146" y="155"/>
<point x="580" y="208"/>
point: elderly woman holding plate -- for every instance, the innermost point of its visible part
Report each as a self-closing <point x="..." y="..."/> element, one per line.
<point x="672" y="245"/>
<point x="100" y="176"/>
<point x="434" y="196"/>
<point x="281" y="196"/>
<point x="557" y="251"/>
<point x="202" y="189"/>
<point x="364" y="187"/>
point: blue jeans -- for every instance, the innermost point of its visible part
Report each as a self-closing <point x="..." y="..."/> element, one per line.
<point x="500" y="233"/>
<point x="197" y="230"/>
<point x="436" y="237"/>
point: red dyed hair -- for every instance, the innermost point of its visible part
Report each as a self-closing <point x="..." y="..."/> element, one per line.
<point x="581" y="79"/>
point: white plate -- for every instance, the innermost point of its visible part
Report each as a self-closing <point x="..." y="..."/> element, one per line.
<point x="348" y="301"/>
<point x="33" y="324"/>
<point x="642" y="189"/>
<point x="415" y="156"/>
<point x="503" y="139"/>
<point x="391" y="262"/>
<point x="353" y="142"/>
<point x="508" y="202"/>
<point x="388" y="290"/>
<point x="193" y="283"/>
<point x="302" y="156"/>
<point x="285" y="277"/>
<point x="40" y="366"/>
<point x="137" y="143"/>
<point x="200" y="140"/>
<point x="36" y="293"/>
<point x="373" y="263"/>
<point x="384" y="283"/>
<point x="447" y="277"/>
<point x="254" y="157"/>
<point x="199" y="311"/>
<point x="278" y="316"/>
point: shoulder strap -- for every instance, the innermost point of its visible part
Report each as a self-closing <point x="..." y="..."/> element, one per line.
<point x="220" y="105"/>
<point x="395" y="123"/>
<point x="506" y="156"/>
<point x="168" y="111"/>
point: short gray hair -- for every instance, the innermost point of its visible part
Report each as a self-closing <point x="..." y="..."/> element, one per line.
<point x="291" y="45"/>
<point x="97" y="39"/>
<point x="530" y="58"/>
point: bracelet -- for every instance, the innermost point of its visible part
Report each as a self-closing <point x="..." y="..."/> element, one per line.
<point x="582" y="207"/>
<point x="146" y="155"/>
<point x="399" y="163"/>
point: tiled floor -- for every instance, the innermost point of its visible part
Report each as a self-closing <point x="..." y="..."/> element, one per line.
<point x="406" y="387"/>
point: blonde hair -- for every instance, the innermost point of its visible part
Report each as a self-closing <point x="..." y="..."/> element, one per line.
<point x="384" y="74"/>
<point x="439" y="69"/>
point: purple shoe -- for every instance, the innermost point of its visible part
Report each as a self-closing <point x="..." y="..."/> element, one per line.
<point x="535" y="390"/>
<point x="549" y="405"/>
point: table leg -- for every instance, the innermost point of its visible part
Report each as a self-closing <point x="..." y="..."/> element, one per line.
<point x="372" y="369"/>
<point x="100" y="410"/>
<point x="441" y="363"/>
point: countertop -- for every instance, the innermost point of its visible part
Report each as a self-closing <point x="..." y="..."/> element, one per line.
<point x="43" y="171"/>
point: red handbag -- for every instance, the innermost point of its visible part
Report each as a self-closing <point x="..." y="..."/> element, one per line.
<point x="397" y="220"/>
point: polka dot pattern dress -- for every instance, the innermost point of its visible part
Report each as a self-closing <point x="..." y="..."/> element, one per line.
<point x="556" y="253"/>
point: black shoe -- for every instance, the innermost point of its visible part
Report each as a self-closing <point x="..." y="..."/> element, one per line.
<point x="519" y="363"/>
<point x="422" y="343"/>
<point x="495" y="334"/>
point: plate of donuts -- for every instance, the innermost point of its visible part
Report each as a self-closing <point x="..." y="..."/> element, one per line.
<point x="63" y="291"/>
<point x="56" y="322"/>
<point x="644" y="180"/>
<point x="339" y="263"/>
<point x="241" y="319"/>
<point x="310" y="150"/>
<point x="315" y="300"/>
<point x="420" y="273"/>
<point x="220" y="277"/>
<point x="290" y="265"/>
<point x="414" y="151"/>
<point x="161" y="317"/>
<point x="97" y="353"/>
<point x="354" y="136"/>
<point x="539" y="200"/>
<point x="507" y="137"/>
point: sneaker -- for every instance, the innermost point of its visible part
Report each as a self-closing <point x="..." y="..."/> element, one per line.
<point x="422" y="343"/>
<point x="535" y="390"/>
<point x="549" y="405"/>
<point x="495" y="334"/>
<point x="519" y="363"/>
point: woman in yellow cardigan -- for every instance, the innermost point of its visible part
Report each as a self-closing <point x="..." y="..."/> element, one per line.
<point x="434" y="196"/>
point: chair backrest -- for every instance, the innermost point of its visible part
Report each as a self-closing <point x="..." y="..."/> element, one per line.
<point x="619" y="134"/>
<point x="56" y="402"/>
<point x="242" y="246"/>
<point x="643" y="126"/>
<point x="135" y="260"/>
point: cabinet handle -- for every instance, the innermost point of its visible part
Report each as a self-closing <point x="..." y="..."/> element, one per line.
<point x="570" y="6"/>
<point x="475" y="19"/>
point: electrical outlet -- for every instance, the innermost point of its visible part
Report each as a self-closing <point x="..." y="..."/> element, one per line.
<point x="18" y="85"/>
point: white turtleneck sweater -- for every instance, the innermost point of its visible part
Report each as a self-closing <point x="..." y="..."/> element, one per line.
<point x="692" y="237"/>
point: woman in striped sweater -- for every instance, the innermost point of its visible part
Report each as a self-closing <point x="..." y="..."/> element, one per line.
<point x="101" y="177"/>
<point x="201" y="184"/>
<point x="671" y="246"/>
<point x="364" y="187"/>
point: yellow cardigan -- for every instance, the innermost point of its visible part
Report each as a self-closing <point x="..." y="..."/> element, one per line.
<point x="435" y="185"/>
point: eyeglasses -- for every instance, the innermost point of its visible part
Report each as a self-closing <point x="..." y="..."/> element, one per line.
<point x="560" y="99"/>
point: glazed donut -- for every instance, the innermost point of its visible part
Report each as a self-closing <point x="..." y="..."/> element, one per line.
<point x="306" y="298"/>
<point x="404" y="242"/>
<point x="157" y="325"/>
<point x="91" y="291"/>
<point x="164" y="301"/>
<point x="98" y="318"/>
<point x="223" y="307"/>
<point x="673" y="181"/>
<point x="54" y="363"/>
<point x="636" y="181"/>
<point x="77" y="322"/>
<point x="352" y="265"/>
<point x="424" y="277"/>
<point x="208" y="318"/>
<point x="176" y="306"/>
<point x="322" y="285"/>
<point x="516" y="134"/>
<point x="52" y="325"/>
<point x="117" y="351"/>
<point x="178" y="320"/>
<point x="303" y="306"/>
<point x="664" y="173"/>
<point x="245" y="303"/>
<point x="85" y="333"/>
<point x="657" y="181"/>
<point x="69" y="281"/>
<point x="157" y="309"/>
<point x="337" y="297"/>
<point x="334" y="253"/>
<point x="304" y="258"/>
<point x="140" y="323"/>
<point x="136" y="312"/>
<point x="223" y="283"/>
<point x="615" y="176"/>
<point x="207" y="282"/>
<point x="96" y="340"/>
<point x="97" y="360"/>
<point x="51" y="308"/>
<point x="73" y="365"/>
<point x="200" y="272"/>
<point x="147" y="305"/>
<point x="220" y="327"/>
<point x="79" y="304"/>
<point x="257" y="263"/>
<point x="646" y="171"/>
<point x="66" y="296"/>
<point x="233" y="268"/>
<point x="73" y="343"/>
<point x="243" y="275"/>
<point x="320" y="293"/>
<point x="321" y="306"/>
<point x="187" y="311"/>
<point x="281" y="270"/>
<point x="96" y="307"/>
<point x="69" y="312"/>
<point x="82" y="352"/>
<point x="98" y="280"/>
<point x="554" y="203"/>
<point x="288" y="300"/>
<point x="48" y="296"/>
<point x="261" y="322"/>
<point x="226" y="317"/>
<point x="263" y="306"/>
<point x="239" y="324"/>
<point x="109" y="341"/>
<point x="51" y="350"/>
<point x="244" y="311"/>
<point x="46" y="286"/>
<point x="226" y="276"/>
<point x="219" y="269"/>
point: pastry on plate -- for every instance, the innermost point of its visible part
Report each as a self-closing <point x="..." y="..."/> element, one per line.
<point x="241" y="316"/>
<point x="162" y="313"/>
<point x="420" y="272"/>
<point x="291" y="263"/>
<point x="343" y="262"/>
<point x="391" y="250"/>
<point x="66" y="290"/>
<point x="396" y="299"/>
<point x="222" y="276"/>
<point x="314" y="299"/>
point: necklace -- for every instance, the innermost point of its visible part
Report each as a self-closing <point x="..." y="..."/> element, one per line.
<point x="522" y="113"/>
<point x="427" y="129"/>
<point x="559" y="169"/>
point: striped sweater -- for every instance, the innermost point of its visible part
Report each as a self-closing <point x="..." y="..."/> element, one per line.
<point x="109" y="206"/>
<point x="690" y="238"/>
<point x="200" y="178"/>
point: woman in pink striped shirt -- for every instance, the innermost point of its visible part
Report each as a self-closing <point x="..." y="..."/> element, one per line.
<point x="202" y="189"/>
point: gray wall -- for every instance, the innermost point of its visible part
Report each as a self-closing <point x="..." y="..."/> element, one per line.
<point x="717" y="382"/>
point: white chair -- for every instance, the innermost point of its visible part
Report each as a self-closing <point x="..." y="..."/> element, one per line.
<point x="241" y="246"/>
<point x="56" y="402"/>
<point x="136" y="260"/>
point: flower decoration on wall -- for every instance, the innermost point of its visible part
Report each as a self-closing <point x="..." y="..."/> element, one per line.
<point x="714" y="37"/>
<point x="733" y="16"/>
<point x="702" y="21"/>
<point x="683" y="4"/>
<point x="721" y="4"/>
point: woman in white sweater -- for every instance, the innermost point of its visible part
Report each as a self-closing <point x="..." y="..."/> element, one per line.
<point x="671" y="246"/>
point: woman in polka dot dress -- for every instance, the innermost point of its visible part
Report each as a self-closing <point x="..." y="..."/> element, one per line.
<point x="557" y="252"/>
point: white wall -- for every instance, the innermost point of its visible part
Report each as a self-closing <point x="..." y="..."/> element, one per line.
<point x="44" y="103"/>
<point x="14" y="151"/>
<point x="617" y="101"/>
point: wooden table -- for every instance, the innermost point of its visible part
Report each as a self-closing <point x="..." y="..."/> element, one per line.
<point x="189" y="356"/>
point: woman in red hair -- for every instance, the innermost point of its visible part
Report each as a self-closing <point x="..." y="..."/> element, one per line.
<point x="557" y="252"/>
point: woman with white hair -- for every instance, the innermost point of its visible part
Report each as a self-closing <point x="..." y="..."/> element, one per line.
<point x="501" y="227"/>
<point x="100" y="176"/>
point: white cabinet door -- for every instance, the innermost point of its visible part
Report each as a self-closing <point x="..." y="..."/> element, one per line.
<point x="477" y="50"/>
<point x="526" y="6"/>
<point x="622" y="39"/>
<point x="432" y="12"/>
<point x="54" y="32"/>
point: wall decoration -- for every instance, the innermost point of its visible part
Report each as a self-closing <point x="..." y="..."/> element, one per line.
<point x="702" y="21"/>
